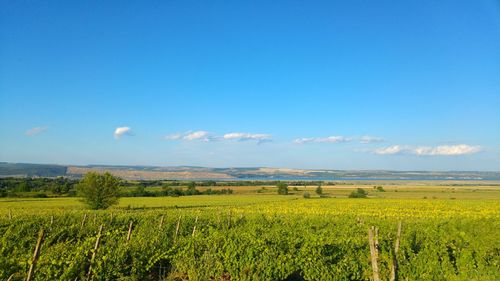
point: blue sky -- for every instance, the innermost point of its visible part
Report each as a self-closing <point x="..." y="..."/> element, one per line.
<point x="406" y="85"/>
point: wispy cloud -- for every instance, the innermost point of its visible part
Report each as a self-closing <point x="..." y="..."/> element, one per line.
<point x="442" y="150"/>
<point x="370" y="139"/>
<point x="209" y="137"/>
<point x="260" y="138"/>
<point x="191" y="136"/>
<point x="198" y="135"/>
<point x="35" y="131"/>
<point x="331" y="139"/>
<point x="338" y="139"/>
<point x="393" y="149"/>
<point x="122" y="131"/>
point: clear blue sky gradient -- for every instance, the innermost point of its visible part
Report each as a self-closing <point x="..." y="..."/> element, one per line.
<point x="415" y="73"/>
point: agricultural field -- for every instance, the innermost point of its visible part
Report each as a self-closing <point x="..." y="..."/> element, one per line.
<point x="449" y="231"/>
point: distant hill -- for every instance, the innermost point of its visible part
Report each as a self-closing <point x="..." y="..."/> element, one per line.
<point x="31" y="170"/>
<point x="254" y="173"/>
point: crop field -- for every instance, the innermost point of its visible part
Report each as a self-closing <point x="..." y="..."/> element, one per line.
<point x="448" y="232"/>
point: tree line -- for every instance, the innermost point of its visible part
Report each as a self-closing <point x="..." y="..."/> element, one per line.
<point x="68" y="187"/>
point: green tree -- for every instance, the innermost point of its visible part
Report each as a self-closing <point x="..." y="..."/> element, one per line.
<point x="140" y="190"/>
<point x="282" y="188"/>
<point x="24" y="186"/>
<point x="99" y="191"/>
<point x="319" y="190"/>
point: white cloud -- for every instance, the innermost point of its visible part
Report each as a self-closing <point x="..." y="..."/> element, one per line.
<point x="260" y="138"/>
<point x="122" y="131"/>
<point x="191" y="136"/>
<point x="331" y="139"/>
<point x="198" y="135"/>
<point x="339" y="139"/>
<point x="442" y="150"/>
<point x="394" y="149"/>
<point x="209" y="137"/>
<point x="370" y="139"/>
<point x="459" y="149"/>
<point x="35" y="131"/>
<point x="176" y="136"/>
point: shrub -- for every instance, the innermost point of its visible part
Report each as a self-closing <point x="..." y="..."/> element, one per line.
<point x="319" y="190"/>
<point x="306" y="195"/>
<point x="358" y="193"/>
<point x="282" y="188"/>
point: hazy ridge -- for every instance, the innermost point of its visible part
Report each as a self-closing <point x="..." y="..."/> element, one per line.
<point x="253" y="173"/>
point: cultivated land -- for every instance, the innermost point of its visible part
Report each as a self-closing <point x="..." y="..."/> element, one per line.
<point x="449" y="232"/>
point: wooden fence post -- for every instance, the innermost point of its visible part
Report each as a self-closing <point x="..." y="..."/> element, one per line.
<point x="373" y="254"/>
<point x="161" y="221"/>
<point x="96" y="246"/>
<point x="35" y="254"/>
<point x="129" y="232"/>
<point x="177" y="228"/>
<point x="394" y="268"/>
<point x="83" y="220"/>
<point x="194" y="227"/>
<point x="398" y="237"/>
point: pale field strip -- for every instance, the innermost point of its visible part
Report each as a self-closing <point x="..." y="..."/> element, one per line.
<point x="150" y="175"/>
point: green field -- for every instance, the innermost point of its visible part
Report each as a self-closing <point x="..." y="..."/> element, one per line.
<point x="449" y="232"/>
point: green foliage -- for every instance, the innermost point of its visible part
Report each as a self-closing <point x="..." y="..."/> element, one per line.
<point x="25" y="187"/>
<point x="282" y="188"/>
<point x="379" y="188"/>
<point x="358" y="193"/>
<point x="254" y="246"/>
<point x="319" y="190"/>
<point x="140" y="190"/>
<point x="306" y="194"/>
<point x="99" y="191"/>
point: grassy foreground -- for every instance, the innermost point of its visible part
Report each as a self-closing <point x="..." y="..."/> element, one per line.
<point x="255" y="237"/>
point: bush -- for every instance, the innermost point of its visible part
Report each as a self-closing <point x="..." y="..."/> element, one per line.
<point x="306" y="195"/>
<point x="319" y="190"/>
<point x="282" y="188"/>
<point x="379" y="188"/>
<point x="99" y="191"/>
<point x="358" y="193"/>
